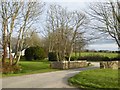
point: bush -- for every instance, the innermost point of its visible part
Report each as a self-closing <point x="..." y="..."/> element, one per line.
<point x="52" y="56"/>
<point x="116" y="58"/>
<point x="7" y="69"/>
<point x="39" y="53"/>
<point x="98" y="58"/>
<point x="82" y="58"/>
<point x="73" y="58"/>
<point x="34" y="53"/>
<point x="29" y="53"/>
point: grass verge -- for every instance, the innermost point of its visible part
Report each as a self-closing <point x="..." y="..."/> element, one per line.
<point x="32" y="67"/>
<point x="95" y="79"/>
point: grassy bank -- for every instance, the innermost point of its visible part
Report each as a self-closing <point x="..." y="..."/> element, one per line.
<point x="94" y="79"/>
<point x="32" y="67"/>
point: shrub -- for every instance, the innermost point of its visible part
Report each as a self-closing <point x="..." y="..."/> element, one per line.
<point x="39" y="53"/>
<point x="52" y="56"/>
<point x="29" y="53"/>
<point x="82" y="58"/>
<point x="98" y="58"/>
<point x="73" y="58"/>
<point x="34" y="53"/>
<point x="8" y="69"/>
<point x="116" y="58"/>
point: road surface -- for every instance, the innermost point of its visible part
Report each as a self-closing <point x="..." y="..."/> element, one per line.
<point x="57" y="79"/>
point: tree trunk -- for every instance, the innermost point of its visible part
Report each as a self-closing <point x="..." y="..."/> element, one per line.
<point x="18" y="59"/>
<point x="79" y="51"/>
<point x="4" y="42"/>
<point x="10" y="55"/>
<point x="71" y="49"/>
<point x="4" y="53"/>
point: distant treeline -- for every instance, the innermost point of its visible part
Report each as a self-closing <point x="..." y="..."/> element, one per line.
<point x="101" y="51"/>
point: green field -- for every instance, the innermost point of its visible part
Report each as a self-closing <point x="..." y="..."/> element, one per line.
<point x="31" y="67"/>
<point x="105" y="54"/>
<point x="94" y="79"/>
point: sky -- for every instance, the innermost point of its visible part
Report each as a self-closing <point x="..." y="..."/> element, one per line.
<point x="82" y="5"/>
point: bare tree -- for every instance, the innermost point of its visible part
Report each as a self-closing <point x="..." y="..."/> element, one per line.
<point x="17" y="17"/>
<point x="31" y="13"/>
<point x="62" y="27"/>
<point x="79" y="20"/>
<point x="79" y="44"/>
<point x="107" y="16"/>
<point x="32" y="39"/>
<point x="4" y="21"/>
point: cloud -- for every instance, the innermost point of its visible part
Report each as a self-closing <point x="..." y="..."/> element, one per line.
<point x="111" y="47"/>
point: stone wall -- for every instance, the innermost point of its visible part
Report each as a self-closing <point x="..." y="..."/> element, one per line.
<point x="68" y="65"/>
<point x="110" y="64"/>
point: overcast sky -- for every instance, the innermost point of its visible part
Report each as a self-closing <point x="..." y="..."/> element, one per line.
<point x="83" y="5"/>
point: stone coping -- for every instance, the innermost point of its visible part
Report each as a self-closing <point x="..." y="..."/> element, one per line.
<point x="71" y="61"/>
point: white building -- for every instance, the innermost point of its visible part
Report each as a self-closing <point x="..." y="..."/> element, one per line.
<point x="1" y="52"/>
